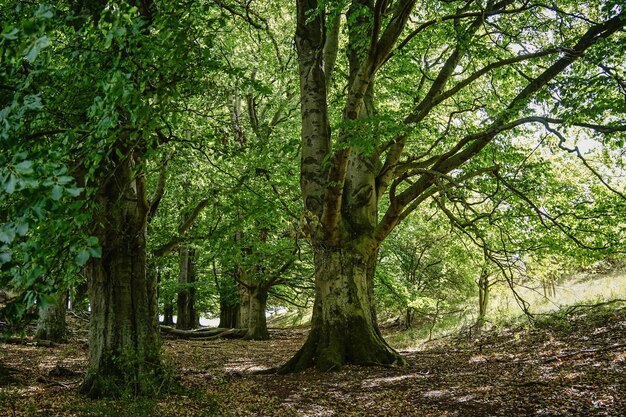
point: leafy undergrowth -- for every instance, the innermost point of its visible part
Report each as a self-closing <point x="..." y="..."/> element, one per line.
<point x="569" y="364"/>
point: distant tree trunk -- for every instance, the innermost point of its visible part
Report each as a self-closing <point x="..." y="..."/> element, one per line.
<point x="483" y="296"/>
<point x="185" y="305"/>
<point x="257" y="322"/>
<point x="234" y="300"/>
<point x="243" y="315"/>
<point x="410" y="315"/>
<point x="549" y="284"/>
<point x="51" y="324"/>
<point x="80" y="301"/>
<point x="229" y="312"/>
<point x="168" y="313"/>
<point x="124" y="345"/>
<point x="168" y="306"/>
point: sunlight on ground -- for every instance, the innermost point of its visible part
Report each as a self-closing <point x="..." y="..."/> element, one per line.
<point x="376" y="382"/>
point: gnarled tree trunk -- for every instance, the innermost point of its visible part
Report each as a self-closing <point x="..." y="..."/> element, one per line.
<point x="340" y="190"/>
<point x="124" y="344"/>
<point x="343" y="328"/>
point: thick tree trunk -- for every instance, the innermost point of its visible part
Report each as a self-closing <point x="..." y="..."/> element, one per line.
<point x="51" y="324"/>
<point x="257" y="322"/>
<point x="124" y="345"/>
<point x="342" y="328"/>
<point x="186" y="318"/>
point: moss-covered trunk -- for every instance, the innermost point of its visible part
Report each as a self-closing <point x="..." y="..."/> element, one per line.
<point x="124" y="346"/>
<point x="257" y="322"/>
<point x="343" y="328"/>
<point x="51" y="324"/>
<point x="186" y="317"/>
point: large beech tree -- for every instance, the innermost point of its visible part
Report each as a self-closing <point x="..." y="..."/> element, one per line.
<point x="100" y="85"/>
<point x="459" y="78"/>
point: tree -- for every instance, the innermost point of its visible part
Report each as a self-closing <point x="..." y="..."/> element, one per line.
<point x="483" y="76"/>
<point x="51" y="324"/>
<point x="104" y="82"/>
<point x="424" y="266"/>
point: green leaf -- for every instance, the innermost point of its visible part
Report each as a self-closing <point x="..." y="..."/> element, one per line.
<point x="95" y="251"/>
<point x="65" y="179"/>
<point x="45" y="300"/>
<point x="44" y="12"/>
<point x="24" y="168"/>
<point x="39" y="211"/>
<point x="57" y="192"/>
<point x="7" y="234"/>
<point x="9" y="185"/>
<point x="5" y="256"/>
<point x="74" y="191"/>
<point x="11" y="35"/>
<point x="36" y="47"/>
<point x="82" y="257"/>
<point x="21" y="229"/>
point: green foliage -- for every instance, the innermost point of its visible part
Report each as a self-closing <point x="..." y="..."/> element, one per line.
<point x="85" y="92"/>
<point x="425" y="267"/>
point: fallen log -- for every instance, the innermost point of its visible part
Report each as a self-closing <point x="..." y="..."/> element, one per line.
<point x="204" y="334"/>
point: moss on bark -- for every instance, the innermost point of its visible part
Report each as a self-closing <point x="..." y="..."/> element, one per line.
<point x="343" y="330"/>
<point x="124" y="343"/>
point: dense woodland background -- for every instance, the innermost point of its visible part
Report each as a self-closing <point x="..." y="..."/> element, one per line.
<point x="376" y="176"/>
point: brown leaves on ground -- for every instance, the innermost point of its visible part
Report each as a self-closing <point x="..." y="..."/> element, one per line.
<point x="572" y="365"/>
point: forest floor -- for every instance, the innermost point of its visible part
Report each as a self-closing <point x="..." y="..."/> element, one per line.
<point x="569" y="364"/>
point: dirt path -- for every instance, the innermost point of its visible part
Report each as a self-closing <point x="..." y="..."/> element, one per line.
<point x="570" y="367"/>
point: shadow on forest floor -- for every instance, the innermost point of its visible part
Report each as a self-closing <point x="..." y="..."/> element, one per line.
<point x="570" y="364"/>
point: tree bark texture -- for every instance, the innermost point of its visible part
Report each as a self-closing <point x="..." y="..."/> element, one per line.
<point x="341" y="200"/>
<point x="51" y="324"/>
<point x="342" y="328"/>
<point x="186" y="317"/>
<point x="228" y="314"/>
<point x="243" y="315"/>
<point x="257" y="322"/>
<point x="124" y="344"/>
<point x="483" y="297"/>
